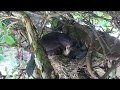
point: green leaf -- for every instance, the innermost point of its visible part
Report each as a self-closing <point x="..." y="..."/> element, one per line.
<point x="77" y="16"/>
<point x="55" y="22"/>
<point x="14" y="70"/>
<point x="107" y="16"/>
<point x="15" y="76"/>
<point x="102" y="22"/>
<point x="98" y="13"/>
<point x="10" y="29"/>
<point x="1" y="51"/>
<point x="58" y="17"/>
<point x="11" y="56"/>
<point x="1" y="38"/>
<point x="24" y="64"/>
<point x="9" y="40"/>
<point x="108" y="30"/>
<point x="0" y="17"/>
<point x="3" y="26"/>
<point x="6" y="69"/>
<point x="112" y="74"/>
<point x="8" y="76"/>
<point x="2" y="58"/>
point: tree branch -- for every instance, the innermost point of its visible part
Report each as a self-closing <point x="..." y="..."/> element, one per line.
<point x="110" y="69"/>
<point x="42" y="61"/>
<point x="48" y="17"/>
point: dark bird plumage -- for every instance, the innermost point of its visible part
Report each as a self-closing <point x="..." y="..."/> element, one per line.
<point x="56" y="43"/>
<point x="80" y="51"/>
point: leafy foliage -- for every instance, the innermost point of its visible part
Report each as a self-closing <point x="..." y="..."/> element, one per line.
<point x="9" y="40"/>
<point x="107" y="16"/>
<point x="5" y="37"/>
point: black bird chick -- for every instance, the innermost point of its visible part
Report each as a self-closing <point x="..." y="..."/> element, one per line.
<point x="80" y="51"/>
<point x="56" y="43"/>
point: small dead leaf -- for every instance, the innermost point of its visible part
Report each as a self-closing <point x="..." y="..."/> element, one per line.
<point x="100" y="71"/>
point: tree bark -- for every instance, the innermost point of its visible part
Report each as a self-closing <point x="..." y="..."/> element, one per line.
<point x="42" y="61"/>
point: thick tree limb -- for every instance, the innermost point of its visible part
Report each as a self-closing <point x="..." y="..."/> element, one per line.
<point x="42" y="61"/>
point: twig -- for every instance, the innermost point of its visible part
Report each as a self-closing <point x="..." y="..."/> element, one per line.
<point x="5" y="45"/>
<point x="48" y="17"/>
<point x="10" y="25"/>
<point x="58" y="14"/>
<point x="95" y="33"/>
<point x="34" y="14"/>
<point x="21" y="74"/>
<point x="89" y="64"/>
<point x="105" y="43"/>
<point x="88" y="58"/>
<point x="110" y="69"/>
<point x="44" y="22"/>
<point x="9" y="17"/>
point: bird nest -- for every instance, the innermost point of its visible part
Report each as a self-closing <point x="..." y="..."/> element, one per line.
<point x="100" y="52"/>
<point x="66" y="68"/>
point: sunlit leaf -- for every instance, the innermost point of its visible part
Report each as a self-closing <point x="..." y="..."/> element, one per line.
<point x="11" y="58"/>
<point x="2" y="58"/>
<point x="107" y="16"/>
<point x="9" y="40"/>
<point x="77" y="16"/>
<point x="112" y="74"/>
<point x="102" y="22"/>
<point x="8" y="76"/>
<point x="98" y="13"/>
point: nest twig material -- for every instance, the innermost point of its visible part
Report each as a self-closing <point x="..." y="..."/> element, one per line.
<point x="96" y="40"/>
<point x="67" y="70"/>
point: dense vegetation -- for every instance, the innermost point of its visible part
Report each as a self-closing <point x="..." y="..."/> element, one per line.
<point x="21" y="49"/>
